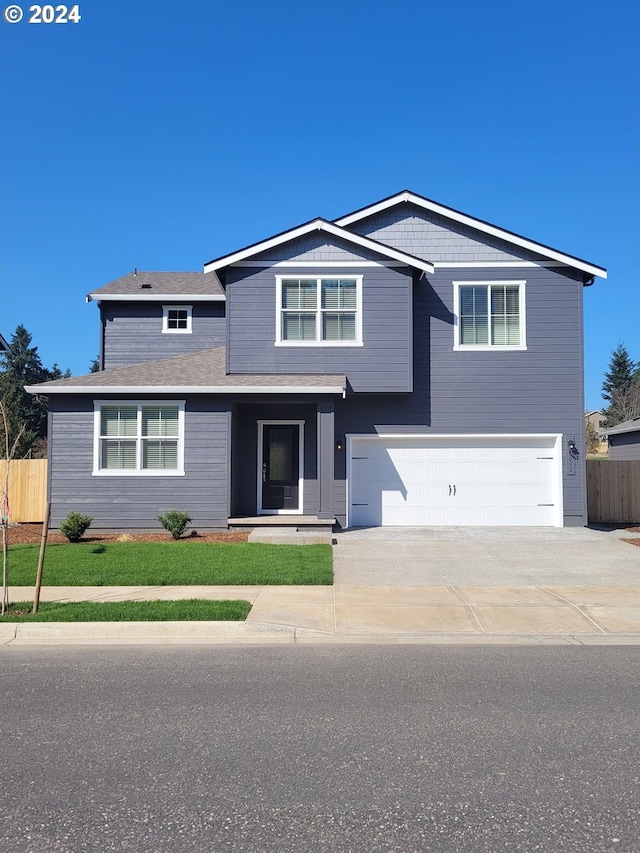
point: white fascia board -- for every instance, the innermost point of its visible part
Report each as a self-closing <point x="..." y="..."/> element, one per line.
<point x="145" y="296"/>
<point x="330" y="228"/>
<point x="478" y="224"/>
<point x="185" y="389"/>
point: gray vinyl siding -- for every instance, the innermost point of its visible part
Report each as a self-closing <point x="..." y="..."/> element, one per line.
<point x="436" y="238"/>
<point x="624" y="447"/>
<point x="132" y="332"/>
<point x="456" y="392"/>
<point x="133" y="502"/>
<point x="382" y="364"/>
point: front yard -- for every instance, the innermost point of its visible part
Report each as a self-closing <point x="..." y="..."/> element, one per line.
<point x="169" y="563"/>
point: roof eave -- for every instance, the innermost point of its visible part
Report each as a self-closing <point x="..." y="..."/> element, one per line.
<point x="155" y="297"/>
<point x="47" y="391"/>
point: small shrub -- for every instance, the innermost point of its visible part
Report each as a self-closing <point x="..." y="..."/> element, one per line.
<point x="74" y="525"/>
<point x="175" y="522"/>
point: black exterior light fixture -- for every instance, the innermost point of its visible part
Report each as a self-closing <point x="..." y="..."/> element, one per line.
<point x="339" y="444"/>
<point x="573" y="450"/>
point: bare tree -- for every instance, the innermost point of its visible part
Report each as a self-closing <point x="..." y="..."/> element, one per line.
<point x="624" y="403"/>
<point x="11" y="438"/>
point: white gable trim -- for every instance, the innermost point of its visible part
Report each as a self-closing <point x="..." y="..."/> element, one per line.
<point x="329" y="228"/>
<point x="478" y="224"/>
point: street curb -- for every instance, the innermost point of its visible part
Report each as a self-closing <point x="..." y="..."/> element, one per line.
<point x="256" y="633"/>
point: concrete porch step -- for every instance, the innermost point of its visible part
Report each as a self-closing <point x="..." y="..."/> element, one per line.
<point x="306" y="523"/>
<point x="291" y="536"/>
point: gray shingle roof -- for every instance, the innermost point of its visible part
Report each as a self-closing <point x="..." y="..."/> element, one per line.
<point x="161" y="284"/>
<point x="628" y="426"/>
<point x="200" y="372"/>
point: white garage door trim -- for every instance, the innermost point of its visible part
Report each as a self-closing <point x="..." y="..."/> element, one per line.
<point x="553" y="443"/>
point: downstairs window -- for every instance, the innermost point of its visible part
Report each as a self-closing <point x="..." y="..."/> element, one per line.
<point x="139" y="438"/>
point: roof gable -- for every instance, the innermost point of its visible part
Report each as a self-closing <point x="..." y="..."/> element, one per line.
<point x="480" y="225"/>
<point x="328" y="228"/>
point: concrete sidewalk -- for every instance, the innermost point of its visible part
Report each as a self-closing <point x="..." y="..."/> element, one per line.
<point x="394" y="585"/>
<point x="357" y="614"/>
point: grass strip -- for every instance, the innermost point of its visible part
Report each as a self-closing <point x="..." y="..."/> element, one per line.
<point x="189" y="610"/>
<point x="172" y="564"/>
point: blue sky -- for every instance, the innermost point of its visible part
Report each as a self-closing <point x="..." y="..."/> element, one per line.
<point x="160" y="134"/>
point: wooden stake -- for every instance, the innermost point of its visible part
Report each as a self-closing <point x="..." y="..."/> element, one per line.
<point x="43" y="545"/>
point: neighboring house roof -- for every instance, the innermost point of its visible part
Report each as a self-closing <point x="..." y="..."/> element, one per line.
<point x="628" y="426"/>
<point x="196" y="373"/>
<point x="329" y="228"/>
<point x="594" y="412"/>
<point x="4" y="346"/>
<point x="406" y="196"/>
<point x="154" y="286"/>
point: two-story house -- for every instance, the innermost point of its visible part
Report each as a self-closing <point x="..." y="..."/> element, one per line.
<point x="406" y="364"/>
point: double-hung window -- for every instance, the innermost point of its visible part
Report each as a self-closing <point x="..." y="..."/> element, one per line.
<point x="319" y="310"/>
<point x="139" y="438"/>
<point x="490" y="315"/>
<point x="176" y="319"/>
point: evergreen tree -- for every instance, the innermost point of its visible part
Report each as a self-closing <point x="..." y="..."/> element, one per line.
<point x="620" y="373"/>
<point x="19" y="366"/>
<point x="621" y="386"/>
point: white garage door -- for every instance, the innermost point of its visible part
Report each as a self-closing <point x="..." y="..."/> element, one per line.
<point x="454" y="480"/>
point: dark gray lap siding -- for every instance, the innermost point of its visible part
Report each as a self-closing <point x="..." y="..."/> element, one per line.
<point x="534" y="391"/>
<point x="133" y="502"/>
<point x="383" y="363"/>
<point x="133" y="332"/>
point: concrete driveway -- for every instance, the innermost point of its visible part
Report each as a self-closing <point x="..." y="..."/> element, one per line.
<point x="485" y="556"/>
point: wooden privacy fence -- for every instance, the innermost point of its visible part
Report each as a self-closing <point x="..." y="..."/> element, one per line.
<point x="27" y="488"/>
<point x="613" y="491"/>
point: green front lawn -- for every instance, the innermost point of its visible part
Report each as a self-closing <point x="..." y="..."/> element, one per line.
<point x="172" y="564"/>
<point x="190" y="610"/>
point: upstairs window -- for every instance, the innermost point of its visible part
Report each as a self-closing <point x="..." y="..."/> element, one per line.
<point x="176" y="319"/>
<point x="490" y="315"/>
<point x="139" y="438"/>
<point x="319" y="311"/>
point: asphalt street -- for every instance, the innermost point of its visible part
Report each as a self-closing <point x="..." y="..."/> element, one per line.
<point x="367" y="748"/>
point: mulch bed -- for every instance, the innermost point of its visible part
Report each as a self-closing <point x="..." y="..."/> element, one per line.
<point x="30" y="534"/>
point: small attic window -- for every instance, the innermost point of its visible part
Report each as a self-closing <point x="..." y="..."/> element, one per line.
<point x="176" y="319"/>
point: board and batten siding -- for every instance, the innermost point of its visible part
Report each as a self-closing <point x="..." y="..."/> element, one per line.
<point x="134" y="502"/>
<point x="538" y="390"/>
<point x="132" y="332"/>
<point x="382" y="364"/>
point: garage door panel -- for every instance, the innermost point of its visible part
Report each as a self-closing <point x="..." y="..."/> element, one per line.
<point x="493" y="481"/>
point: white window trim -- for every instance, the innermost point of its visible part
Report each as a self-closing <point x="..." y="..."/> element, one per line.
<point x="139" y="471"/>
<point x="261" y="426"/>
<point x="165" y="319"/>
<point x="280" y="342"/>
<point x="490" y="347"/>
